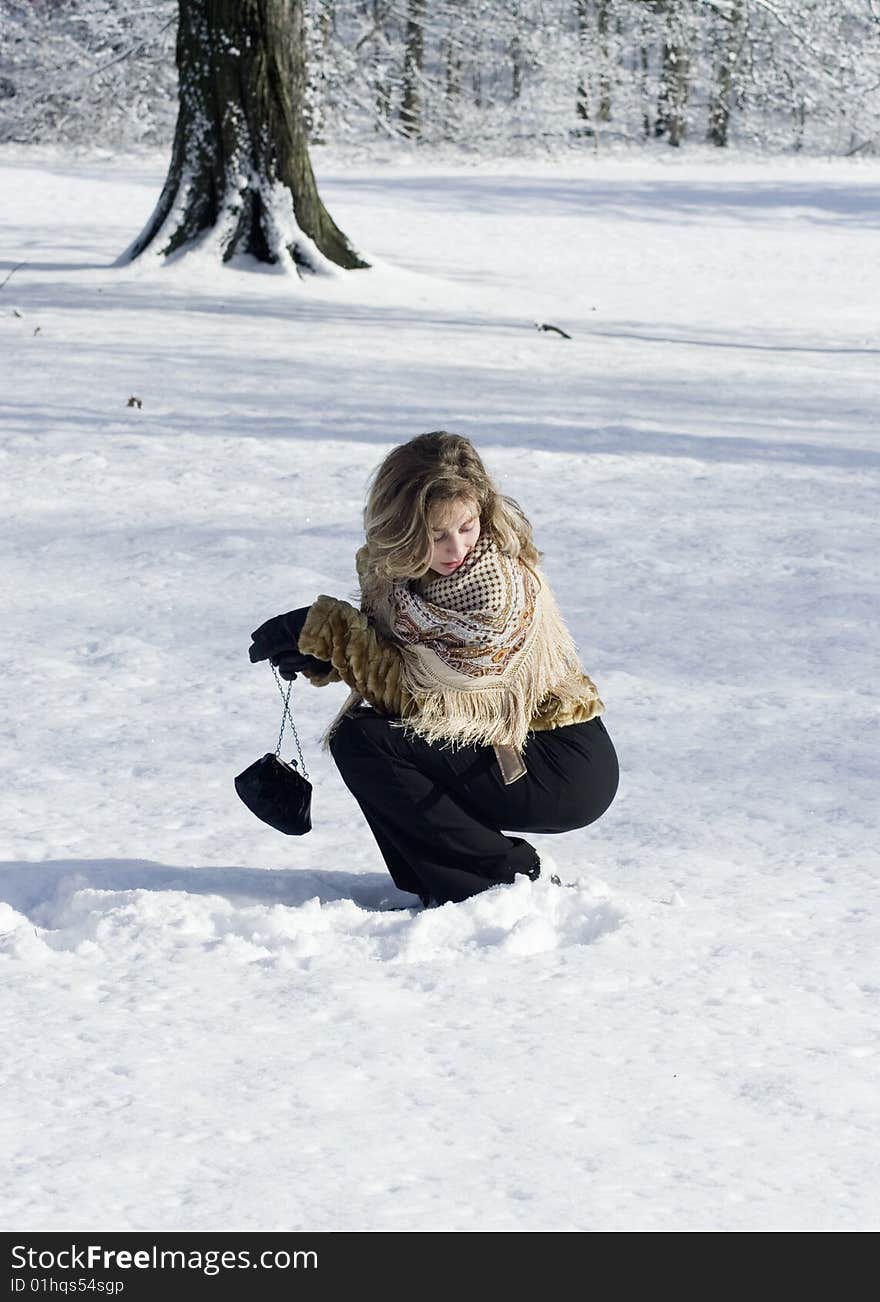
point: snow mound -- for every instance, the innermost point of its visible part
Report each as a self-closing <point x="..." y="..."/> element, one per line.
<point x="526" y="918"/>
<point x="18" y="937"/>
<point x="169" y="925"/>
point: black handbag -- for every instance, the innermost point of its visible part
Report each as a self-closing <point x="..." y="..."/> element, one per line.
<point x="274" y="789"/>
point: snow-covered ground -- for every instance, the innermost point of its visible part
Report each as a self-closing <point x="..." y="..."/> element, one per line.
<point x="207" y="1025"/>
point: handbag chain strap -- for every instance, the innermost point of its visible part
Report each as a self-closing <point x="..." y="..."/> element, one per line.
<point x="286" y="718"/>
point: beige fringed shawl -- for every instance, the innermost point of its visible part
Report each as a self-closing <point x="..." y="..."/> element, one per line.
<point x="482" y="647"/>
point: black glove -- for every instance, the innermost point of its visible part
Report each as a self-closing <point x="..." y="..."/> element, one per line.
<point x="278" y="642"/>
<point x="291" y="663"/>
<point x="278" y="636"/>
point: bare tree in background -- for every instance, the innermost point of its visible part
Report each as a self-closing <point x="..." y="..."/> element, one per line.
<point x="593" y="20"/>
<point x="482" y="73"/>
<point x="413" y="60"/>
<point x="730" y="47"/>
<point x="675" y="74"/>
<point x="240" y="172"/>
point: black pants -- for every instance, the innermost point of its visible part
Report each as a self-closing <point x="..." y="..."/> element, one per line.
<point x="437" y="812"/>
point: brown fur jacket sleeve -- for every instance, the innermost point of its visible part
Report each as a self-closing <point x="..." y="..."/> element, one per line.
<point x="361" y="657"/>
<point x="371" y="664"/>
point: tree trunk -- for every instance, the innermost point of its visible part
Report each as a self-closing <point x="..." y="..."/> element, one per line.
<point x="240" y="175"/>
<point x="594" y="63"/>
<point x="725" y="87"/>
<point x="411" y="102"/>
<point x="516" y="52"/>
<point x="452" y="62"/>
<point x="644" y="65"/>
<point x="798" y="111"/>
<point x="379" y="73"/>
<point x="602" y="18"/>
<point x="516" y="69"/>
<point x="319" y="36"/>
<point x="674" y="77"/>
<point x="582" y="101"/>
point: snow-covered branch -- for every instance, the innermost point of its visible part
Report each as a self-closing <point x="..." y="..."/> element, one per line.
<point x="492" y="73"/>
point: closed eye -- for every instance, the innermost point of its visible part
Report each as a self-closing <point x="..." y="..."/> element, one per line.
<point x="467" y="527"/>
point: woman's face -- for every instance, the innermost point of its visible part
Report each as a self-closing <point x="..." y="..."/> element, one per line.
<point x="455" y="528"/>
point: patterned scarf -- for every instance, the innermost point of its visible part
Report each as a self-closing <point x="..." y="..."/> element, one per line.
<point x="475" y="619"/>
<point x="483" y="647"/>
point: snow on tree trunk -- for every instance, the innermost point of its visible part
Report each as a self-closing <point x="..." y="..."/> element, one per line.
<point x="724" y="93"/>
<point x="240" y="177"/>
<point x="411" y="105"/>
<point x="675" y="75"/>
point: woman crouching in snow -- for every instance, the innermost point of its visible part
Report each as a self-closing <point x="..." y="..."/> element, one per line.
<point x="469" y="709"/>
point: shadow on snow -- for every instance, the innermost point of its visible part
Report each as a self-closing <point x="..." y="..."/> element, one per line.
<point x="26" y="886"/>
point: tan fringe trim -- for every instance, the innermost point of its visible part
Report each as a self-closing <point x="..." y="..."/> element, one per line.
<point x="496" y="711"/>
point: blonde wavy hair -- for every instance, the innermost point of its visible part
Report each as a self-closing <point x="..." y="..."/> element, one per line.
<point x="430" y="471"/>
